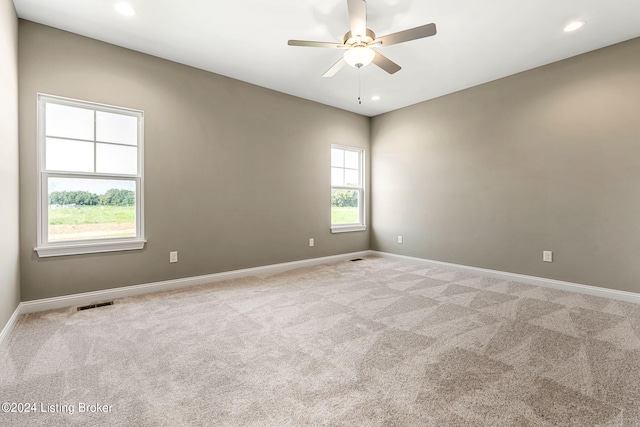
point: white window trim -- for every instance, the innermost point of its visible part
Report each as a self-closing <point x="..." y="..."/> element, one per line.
<point x="89" y="246"/>
<point x="362" y="226"/>
<point x="347" y="228"/>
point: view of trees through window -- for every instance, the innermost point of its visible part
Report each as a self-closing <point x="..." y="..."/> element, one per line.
<point x="81" y="209"/>
<point x="344" y="206"/>
<point x="113" y="197"/>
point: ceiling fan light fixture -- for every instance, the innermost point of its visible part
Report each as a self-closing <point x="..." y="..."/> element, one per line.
<point x="359" y="56"/>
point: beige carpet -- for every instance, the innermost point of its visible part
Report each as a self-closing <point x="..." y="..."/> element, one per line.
<point x="369" y="343"/>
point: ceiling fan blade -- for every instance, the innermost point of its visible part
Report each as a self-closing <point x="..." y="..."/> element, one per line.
<point x="305" y="43"/>
<point x="357" y="17"/>
<point x="385" y="63"/>
<point x="335" y="68"/>
<point x="408" y="35"/>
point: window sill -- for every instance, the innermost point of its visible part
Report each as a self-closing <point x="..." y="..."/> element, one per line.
<point x="347" y="228"/>
<point x="88" y="248"/>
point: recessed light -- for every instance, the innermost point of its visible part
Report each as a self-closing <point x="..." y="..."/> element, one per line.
<point x="575" y="25"/>
<point x="124" y="9"/>
<point x="375" y="98"/>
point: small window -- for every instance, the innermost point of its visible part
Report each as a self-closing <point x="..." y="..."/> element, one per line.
<point x="347" y="189"/>
<point x="90" y="177"/>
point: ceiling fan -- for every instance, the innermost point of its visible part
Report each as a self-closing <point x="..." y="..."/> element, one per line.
<point x="359" y="42"/>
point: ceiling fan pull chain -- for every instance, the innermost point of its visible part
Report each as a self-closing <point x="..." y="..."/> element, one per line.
<point x="359" y="87"/>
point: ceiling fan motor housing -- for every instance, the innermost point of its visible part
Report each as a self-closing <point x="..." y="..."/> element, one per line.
<point x="351" y="40"/>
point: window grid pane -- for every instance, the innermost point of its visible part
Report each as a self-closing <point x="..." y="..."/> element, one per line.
<point x="337" y="177"/>
<point x="352" y="159"/>
<point x="352" y="178"/>
<point x="337" y="157"/>
<point x="69" y="155"/>
<point x="116" y="128"/>
<point x="69" y="122"/>
<point x="116" y="159"/>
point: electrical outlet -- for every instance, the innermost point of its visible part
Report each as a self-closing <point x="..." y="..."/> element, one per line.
<point x="312" y="242"/>
<point x="400" y="240"/>
<point x="173" y="256"/>
<point x="547" y="256"/>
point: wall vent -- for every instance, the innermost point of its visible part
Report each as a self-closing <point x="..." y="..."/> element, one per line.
<point x="100" y="304"/>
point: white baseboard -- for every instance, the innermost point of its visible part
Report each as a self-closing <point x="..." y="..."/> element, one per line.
<point x="6" y="331"/>
<point x="532" y="280"/>
<point x="128" y="291"/>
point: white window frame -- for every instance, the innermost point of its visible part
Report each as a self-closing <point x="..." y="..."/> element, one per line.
<point x="46" y="249"/>
<point x="360" y="226"/>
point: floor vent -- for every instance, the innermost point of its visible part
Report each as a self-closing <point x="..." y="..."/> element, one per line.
<point x="357" y="259"/>
<point x="101" y="304"/>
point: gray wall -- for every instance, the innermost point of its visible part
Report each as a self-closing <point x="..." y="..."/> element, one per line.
<point x="544" y="160"/>
<point x="236" y="175"/>
<point x="9" y="214"/>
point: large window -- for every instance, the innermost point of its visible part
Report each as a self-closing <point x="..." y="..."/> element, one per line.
<point x="90" y="173"/>
<point x="347" y="189"/>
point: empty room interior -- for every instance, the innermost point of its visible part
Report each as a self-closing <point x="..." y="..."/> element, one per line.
<point x="321" y="212"/>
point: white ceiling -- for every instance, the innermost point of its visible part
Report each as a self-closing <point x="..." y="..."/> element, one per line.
<point x="477" y="41"/>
